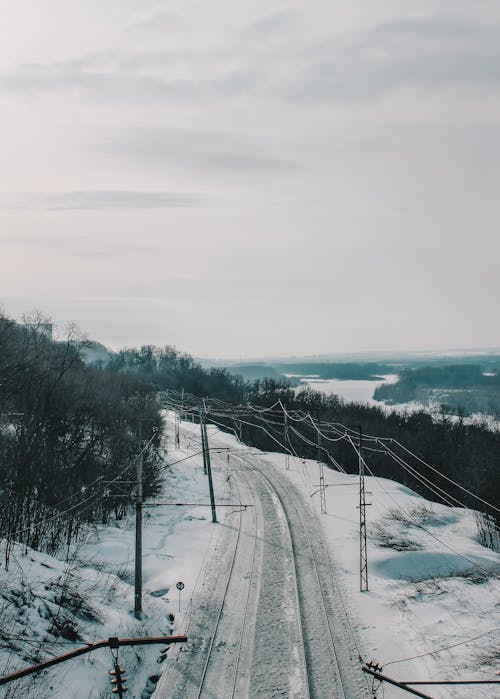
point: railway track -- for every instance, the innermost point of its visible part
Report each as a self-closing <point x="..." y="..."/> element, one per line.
<point x="271" y="626"/>
<point x="220" y="627"/>
<point x="278" y="665"/>
<point x="332" y="665"/>
<point x="213" y="681"/>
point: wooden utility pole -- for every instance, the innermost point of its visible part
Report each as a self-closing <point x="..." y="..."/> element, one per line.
<point x="138" y="529"/>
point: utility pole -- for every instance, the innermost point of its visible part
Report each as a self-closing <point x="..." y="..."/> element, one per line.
<point x="138" y="530"/>
<point x="203" y="438"/>
<point x="206" y="459"/>
<point x="363" y="552"/>
<point x="177" y="430"/>
<point x="322" y="487"/>
<point x="287" y="455"/>
<point x="178" y="417"/>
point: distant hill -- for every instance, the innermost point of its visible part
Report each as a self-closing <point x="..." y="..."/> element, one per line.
<point x="465" y="387"/>
<point x="251" y="372"/>
<point x="354" y="367"/>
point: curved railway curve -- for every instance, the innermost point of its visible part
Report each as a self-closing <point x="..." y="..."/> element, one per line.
<point x="332" y="659"/>
<point x="267" y="620"/>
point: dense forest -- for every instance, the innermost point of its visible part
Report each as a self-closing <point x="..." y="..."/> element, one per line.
<point x="466" y="453"/>
<point x="68" y="437"/>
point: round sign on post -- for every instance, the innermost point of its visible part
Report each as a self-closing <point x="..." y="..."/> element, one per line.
<point x="180" y="587"/>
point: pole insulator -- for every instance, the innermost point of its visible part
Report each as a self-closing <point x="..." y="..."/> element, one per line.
<point x="118" y="680"/>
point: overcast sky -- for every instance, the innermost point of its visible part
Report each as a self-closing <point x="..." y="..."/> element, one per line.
<point x="253" y="178"/>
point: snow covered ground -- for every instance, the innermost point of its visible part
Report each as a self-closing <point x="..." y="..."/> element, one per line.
<point x="428" y="588"/>
<point x="99" y="581"/>
<point x="432" y="586"/>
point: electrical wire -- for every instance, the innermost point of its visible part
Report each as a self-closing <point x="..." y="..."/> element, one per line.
<point x="450" y="480"/>
<point x="435" y="489"/>
<point x="82" y="502"/>
<point x="346" y="433"/>
<point x="418" y="524"/>
<point x="439" y="650"/>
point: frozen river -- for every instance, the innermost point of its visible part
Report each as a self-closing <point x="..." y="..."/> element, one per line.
<point x="351" y="390"/>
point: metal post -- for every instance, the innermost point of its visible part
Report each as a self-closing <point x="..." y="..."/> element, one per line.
<point x="363" y="553"/>
<point x="322" y="488"/>
<point x="177" y="430"/>
<point x="202" y="431"/>
<point x="138" y="530"/>
<point x="287" y="455"/>
<point x="209" y="467"/>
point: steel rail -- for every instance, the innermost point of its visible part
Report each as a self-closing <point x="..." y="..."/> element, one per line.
<point x="221" y="609"/>
<point x="313" y="557"/>
<point x="271" y="487"/>
<point x="247" y="602"/>
<point x="324" y="605"/>
<point x="323" y="601"/>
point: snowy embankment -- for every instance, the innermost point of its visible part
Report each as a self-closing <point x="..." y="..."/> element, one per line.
<point x="49" y="606"/>
<point x="432" y="586"/>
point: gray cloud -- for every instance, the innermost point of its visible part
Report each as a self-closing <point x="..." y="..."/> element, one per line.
<point x="429" y="51"/>
<point x="117" y="249"/>
<point x="272" y="24"/>
<point x="156" y="22"/>
<point x="98" y="200"/>
<point x="197" y="150"/>
<point x="43" y="241"/>
<point x="441" y="27"/>
<point x="101" y="84"/>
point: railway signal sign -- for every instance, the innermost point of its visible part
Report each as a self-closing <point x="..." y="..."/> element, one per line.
<point x="180" y="587"/>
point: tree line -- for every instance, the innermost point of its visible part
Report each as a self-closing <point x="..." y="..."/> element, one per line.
<point x="467" y="453"/>
<point x="462" y="388"/>
<point x="68" y="437"/>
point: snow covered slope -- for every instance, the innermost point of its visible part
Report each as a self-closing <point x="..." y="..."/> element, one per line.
<point x="434" y="591"/>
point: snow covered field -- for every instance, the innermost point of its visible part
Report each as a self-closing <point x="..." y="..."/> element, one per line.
<point x="433" y="588"/>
